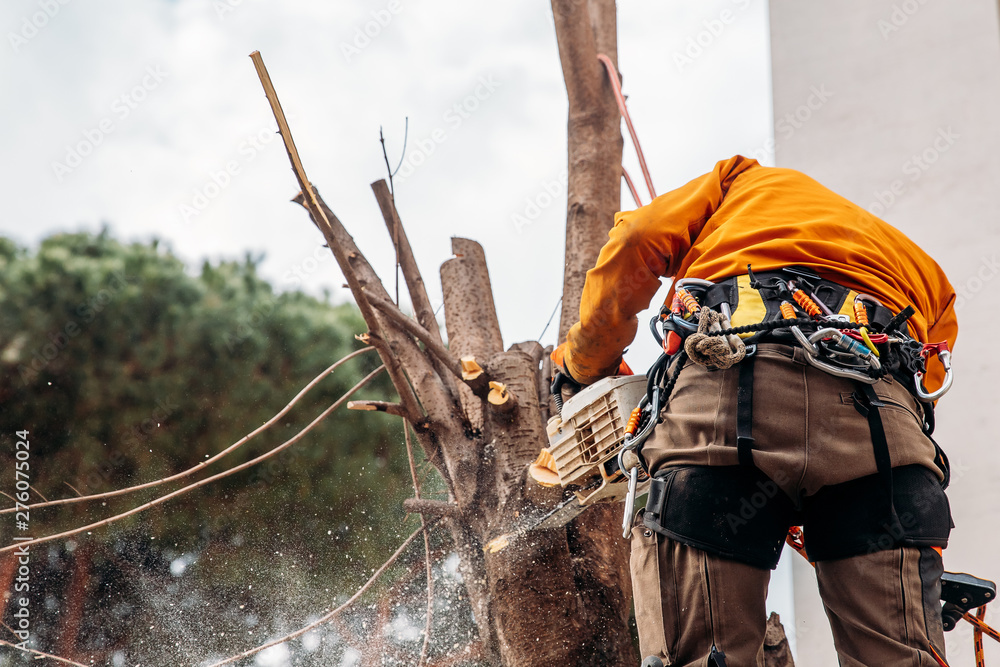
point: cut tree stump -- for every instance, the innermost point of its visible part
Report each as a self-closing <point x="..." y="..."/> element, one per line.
<point x="776" y="650"/>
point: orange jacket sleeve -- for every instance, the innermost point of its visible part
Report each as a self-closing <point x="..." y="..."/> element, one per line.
<point x="644" y="245"/>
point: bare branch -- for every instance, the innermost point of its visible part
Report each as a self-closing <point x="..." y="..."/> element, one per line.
<point x="578" y="52"/>
<point x="604" y="23"/>
<point x="397" y="351"/>
<point x="411" y="273"/>
<point x="332" y="614"/>
<point x="461" y="464"/>
<point x="475" y="377"/>
<point x="405" y="260"/>
<point x="380" y="406"/>
<point x="338" y="240"/>
<point x="207" y="462"/>
<point x="162" y="499"/>
<point x="437" y="348"/>
<point x="430" y="507"/>
<point x="470" y="313"/>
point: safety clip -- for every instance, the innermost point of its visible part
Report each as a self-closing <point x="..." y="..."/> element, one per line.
<point x="944" y="356"/>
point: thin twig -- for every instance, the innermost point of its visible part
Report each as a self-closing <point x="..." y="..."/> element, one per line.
<point x="41" y="654"/>
<point x="427" y="548"/>
<point x="162" y="499"/>
<point x="73" y="487"/>
<point x="38" y="492"/>
<point x="332" y="614"/>
<point x="402" y="154"/>
<point x="554" y="310"/>
<point x="396" y="409"/>
<point x="392" y="193"/>
<point x="207" y="462"/>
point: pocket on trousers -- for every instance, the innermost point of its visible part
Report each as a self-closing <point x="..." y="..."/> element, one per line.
<point x="653" y="592"/>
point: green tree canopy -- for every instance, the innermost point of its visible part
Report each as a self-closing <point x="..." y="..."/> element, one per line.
<point x="126" y="368"/>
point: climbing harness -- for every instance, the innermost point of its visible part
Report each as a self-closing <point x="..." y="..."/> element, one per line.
<point x="844" y="333"/>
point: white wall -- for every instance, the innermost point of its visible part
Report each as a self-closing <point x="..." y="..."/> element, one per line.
<point x="895" y="104"/>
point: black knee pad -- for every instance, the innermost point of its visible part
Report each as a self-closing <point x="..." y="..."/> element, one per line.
<point x="855" y="517"/>
<point x="735" y="512"/>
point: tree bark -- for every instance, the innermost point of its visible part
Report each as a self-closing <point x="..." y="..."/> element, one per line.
<point x="776" y="650"/>
<point x="585" y="28"/>
<point x="470" y="316"/>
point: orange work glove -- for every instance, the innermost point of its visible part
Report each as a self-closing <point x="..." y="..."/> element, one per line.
<point x="559" y="364"/>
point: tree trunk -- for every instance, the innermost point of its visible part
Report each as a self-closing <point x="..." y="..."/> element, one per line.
<point x="552" y="597"/>
<point x="585" y="28"/>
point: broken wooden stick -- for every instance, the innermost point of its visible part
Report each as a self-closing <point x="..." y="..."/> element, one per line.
<point x="428" y="507"/>
<point x="396" y="409"/>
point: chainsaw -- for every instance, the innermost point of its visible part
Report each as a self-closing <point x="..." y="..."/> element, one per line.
<point x="588" y="452"/>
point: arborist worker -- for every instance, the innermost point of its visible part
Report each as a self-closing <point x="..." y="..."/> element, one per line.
<point x="825" y="424"/>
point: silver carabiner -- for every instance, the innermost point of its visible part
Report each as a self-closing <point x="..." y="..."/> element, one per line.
<point x="944" y="356"/>
<point x="840" y="372"/>
<point x="848" y="345"/>
<point x="633" y="483"/>
<point x="806" y="344"/>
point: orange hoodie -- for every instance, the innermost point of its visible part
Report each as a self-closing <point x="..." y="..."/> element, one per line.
<point x="742" y="213"/>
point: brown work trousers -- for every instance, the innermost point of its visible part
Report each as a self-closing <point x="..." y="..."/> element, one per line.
<point x="883" y="607"/>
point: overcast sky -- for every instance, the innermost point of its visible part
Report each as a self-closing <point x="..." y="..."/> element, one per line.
<point x="121" y="112"/>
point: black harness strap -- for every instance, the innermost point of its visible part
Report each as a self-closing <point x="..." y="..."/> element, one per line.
<point x="867" y="403"/>
<point x="744" y="412"/>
